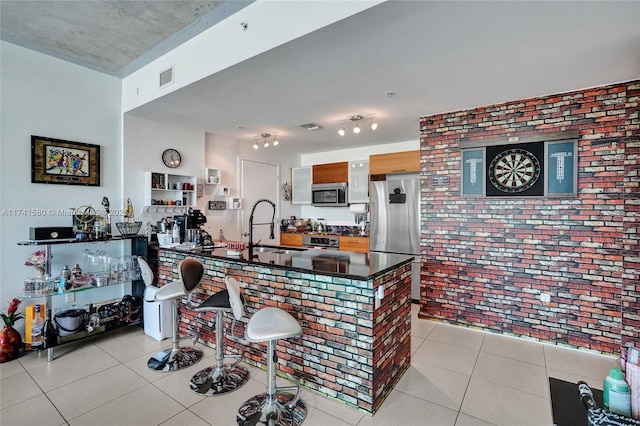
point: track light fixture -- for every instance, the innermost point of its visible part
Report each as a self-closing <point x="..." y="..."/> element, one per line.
<point x="265" y="141"/>
<point x="355" y="119"/>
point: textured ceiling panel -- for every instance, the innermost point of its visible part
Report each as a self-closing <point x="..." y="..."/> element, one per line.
<point x="105" y="35"/>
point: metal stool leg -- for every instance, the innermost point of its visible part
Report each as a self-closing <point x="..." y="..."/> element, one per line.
<point x="219" y="379"/>
<point x="176" y="357"/>
<point x="274" y="407"/>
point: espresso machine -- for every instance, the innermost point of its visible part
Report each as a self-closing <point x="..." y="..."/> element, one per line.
<point x="193" y="220"/>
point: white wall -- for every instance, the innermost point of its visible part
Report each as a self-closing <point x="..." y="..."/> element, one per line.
<point x="225" y="154"/>
<point x="144" y="142"/>
<point x="341" y="215"/>
<point x="44" y="96"/>
<point x="271" y="23"/>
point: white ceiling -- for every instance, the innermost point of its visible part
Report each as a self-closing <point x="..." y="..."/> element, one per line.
<point x="436" y="56"/>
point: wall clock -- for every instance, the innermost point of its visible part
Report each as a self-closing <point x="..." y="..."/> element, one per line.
<point x="171" y="158"/>
<point x="514" y="170"/>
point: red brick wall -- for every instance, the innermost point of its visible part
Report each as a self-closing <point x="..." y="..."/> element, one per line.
<point x="486" y="261"/>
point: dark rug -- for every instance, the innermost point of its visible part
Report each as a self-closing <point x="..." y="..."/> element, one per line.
<point x="568" y="409"/>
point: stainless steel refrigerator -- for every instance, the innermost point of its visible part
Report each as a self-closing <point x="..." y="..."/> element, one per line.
<point x="395" y="220"/>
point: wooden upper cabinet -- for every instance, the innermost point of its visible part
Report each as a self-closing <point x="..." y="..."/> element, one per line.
<point x="395" y="162"/>
<point x="331" y="172"/>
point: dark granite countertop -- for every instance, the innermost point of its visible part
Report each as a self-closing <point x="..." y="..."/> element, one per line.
<point x="325" y="262"/>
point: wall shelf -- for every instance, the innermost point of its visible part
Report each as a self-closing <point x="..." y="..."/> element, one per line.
<point x="161" y="189"/>
<point x="212" y="176"/>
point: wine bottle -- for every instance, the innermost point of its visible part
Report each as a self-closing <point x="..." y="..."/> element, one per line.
<point x="36" y="330"/>
<point x="48" y="331"/>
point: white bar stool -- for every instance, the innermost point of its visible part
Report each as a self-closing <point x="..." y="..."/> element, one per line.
<point x="221" y="378"/>
<point x="175" y="358"/>
<point x="274" y="407"/>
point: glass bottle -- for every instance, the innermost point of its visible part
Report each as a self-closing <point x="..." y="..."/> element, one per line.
<point x="37" y="324"/>
<point x="48" y="332"/>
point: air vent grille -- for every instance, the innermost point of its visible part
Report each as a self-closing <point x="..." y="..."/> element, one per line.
<point x="309" y="126"/>
<point x="166" y="77"/>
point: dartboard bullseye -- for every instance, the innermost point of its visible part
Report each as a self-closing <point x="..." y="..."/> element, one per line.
<point x="514" y="170"/>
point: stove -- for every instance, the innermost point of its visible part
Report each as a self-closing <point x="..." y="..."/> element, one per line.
<point x="321" y="242"/>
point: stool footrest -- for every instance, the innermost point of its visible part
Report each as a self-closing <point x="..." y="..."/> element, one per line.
<point x="295" y="388"/>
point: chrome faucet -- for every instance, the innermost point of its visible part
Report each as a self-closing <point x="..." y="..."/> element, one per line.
<point x="271" y="224"/>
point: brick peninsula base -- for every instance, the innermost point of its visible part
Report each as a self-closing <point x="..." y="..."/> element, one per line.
<point x="350" y="351"/>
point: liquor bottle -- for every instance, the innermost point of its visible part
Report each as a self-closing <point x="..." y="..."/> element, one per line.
<point x="37" y="324"/>
<point x="48" y="331"/>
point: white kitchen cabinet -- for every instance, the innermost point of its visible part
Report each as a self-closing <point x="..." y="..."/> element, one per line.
<point x="301" y="178"/>
<point x="359" y="181"/>
<point x="163" y="189"/>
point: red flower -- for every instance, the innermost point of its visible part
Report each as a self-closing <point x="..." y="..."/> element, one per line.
<point x="11" y="317"/>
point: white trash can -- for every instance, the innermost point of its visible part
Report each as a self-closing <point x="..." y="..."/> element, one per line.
<point x="157" y="315"/>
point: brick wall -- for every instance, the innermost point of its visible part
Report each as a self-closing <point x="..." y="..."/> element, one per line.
<point x="485" y="261"/>
<point x="349" y="350"/>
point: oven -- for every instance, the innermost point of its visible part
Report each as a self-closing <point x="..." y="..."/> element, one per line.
<point x="321" y="242"/>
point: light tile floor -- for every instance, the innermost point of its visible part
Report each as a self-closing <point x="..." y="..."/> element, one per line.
<point x="458" y="377"/>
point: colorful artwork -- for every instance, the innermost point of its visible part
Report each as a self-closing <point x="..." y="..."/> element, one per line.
<point x="63" y="161"/>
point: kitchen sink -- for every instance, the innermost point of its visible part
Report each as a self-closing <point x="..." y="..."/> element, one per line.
<point x="278" y="249"/>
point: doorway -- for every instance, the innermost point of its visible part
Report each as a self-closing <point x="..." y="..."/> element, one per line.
<point x="259" y="181"/>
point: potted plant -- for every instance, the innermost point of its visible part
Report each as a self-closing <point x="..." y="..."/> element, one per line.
<point x="10" y="339"/>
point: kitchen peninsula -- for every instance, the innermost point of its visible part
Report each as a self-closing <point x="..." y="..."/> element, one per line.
<point x="354" y="347"/>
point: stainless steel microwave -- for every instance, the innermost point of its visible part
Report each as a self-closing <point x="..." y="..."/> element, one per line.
<point x="329" y="195"/>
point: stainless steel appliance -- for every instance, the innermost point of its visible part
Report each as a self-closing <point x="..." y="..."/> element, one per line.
<point x="395" y="220"/>
<point x="329" y="195"/>
<point x="327" y="243"/>
<point x="335" y="262"/>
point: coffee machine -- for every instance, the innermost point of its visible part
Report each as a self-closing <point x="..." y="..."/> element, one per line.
<point x="194" y="219"/>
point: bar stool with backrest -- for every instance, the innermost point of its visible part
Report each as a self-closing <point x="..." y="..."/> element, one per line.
<point x="177" y="357"/>
<point x="275" y="406"/>
<point x="221" y="378"/>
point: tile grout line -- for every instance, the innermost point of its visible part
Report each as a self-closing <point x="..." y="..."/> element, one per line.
<point x="469" y="382"/>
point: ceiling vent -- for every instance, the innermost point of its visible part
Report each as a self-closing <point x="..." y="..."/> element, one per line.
<point x="166" y="77"/>
<point x="309" y="126"/>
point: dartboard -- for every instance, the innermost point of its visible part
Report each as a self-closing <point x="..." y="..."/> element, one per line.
<point x="514" y="170"/>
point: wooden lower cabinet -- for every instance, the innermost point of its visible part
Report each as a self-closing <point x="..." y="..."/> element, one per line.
<point x="292" y="240"/>
<point x="354" y="244"/>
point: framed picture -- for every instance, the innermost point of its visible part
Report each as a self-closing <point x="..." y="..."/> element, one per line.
<point x="472" y="172"/>
<point x="64" y="162"/>
<point x="562" y="173"/>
